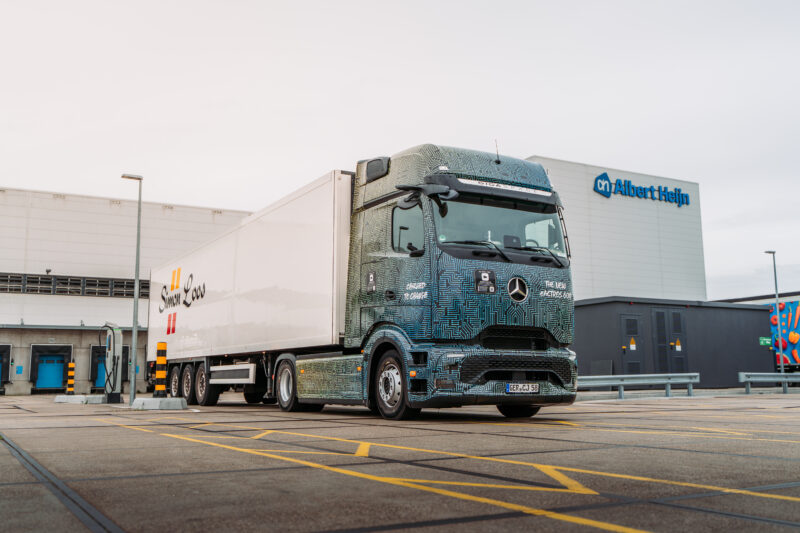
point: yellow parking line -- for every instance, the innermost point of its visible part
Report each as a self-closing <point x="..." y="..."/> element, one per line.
<point x="395" y="481"/>
<point x="363" y="450"/>
<point x="262" y="434"/>
<point x="487" y="485"/>
<point x="124" y="426"/>
<point x="523" y="463"/>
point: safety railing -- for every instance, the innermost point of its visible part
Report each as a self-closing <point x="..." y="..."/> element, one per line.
<point x="623" y="380"/>
<point x="764" y="377"/>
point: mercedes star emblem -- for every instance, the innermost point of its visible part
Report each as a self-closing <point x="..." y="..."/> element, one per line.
<point x="518" y="289"/>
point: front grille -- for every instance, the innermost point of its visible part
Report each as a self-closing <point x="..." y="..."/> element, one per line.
<point x="474" y="369"/>
<point x="516" y="338"/>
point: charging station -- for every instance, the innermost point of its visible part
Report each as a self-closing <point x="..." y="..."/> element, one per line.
<point x="113" y="363"/>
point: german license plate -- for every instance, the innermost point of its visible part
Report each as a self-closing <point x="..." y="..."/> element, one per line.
<point x="530" y="388"/>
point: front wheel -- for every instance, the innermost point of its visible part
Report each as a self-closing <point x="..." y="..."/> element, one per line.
<point x="390" y="388"/>
<point x="286" y="386"/>
<point x="518" y="411"/>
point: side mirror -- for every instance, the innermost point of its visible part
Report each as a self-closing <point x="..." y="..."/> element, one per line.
<point x="412" y="200"/>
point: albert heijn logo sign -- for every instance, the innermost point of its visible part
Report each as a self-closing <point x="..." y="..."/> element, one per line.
<point x="604" y="187"/>
<point x="177" y="296"/>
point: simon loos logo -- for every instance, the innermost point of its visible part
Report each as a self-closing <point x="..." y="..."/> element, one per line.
<point x="176" y="296"/>
<point x="604" y="187"/>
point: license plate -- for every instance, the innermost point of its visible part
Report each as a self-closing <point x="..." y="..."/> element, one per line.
<point x="522" y="387"/>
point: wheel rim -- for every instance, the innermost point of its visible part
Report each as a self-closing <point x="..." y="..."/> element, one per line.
<point x="187" y="384"/>
<point x="285" y="384"/>
<point x="201" y="384"/>
<point x="390" y="386"/>
<point x="175" y="384"/>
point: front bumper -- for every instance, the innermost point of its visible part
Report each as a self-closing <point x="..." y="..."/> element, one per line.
<point x="471" y="375"/>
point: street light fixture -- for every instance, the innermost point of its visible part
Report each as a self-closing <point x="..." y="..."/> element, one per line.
<point x="135" y="331"/>
<point x="779" y="340"/>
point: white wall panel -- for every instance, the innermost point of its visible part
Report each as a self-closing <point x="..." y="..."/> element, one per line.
<point x="624" y="246"/>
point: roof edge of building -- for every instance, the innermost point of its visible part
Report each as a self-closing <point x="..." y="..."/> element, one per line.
<point x="661" y="301"/>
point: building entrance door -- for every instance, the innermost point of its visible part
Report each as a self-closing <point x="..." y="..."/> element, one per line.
<point x="5" y="357"/>
<point x="669" y="341"/>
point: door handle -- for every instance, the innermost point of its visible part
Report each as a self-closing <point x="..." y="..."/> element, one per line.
<point x="389" y="295"/>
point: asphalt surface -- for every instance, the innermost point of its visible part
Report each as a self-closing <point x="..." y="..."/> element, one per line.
<point x="706" y="463"/>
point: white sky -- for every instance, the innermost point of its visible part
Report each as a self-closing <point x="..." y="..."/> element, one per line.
<point x="233" y="104"/>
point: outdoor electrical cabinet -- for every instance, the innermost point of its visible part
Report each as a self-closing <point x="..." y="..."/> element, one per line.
<point x="619" y="335"/>
<point x="49" y="365"/>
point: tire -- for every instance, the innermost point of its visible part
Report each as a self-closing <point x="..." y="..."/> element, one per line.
<point x="253" y="397"/>
<point x="269" y="401"/>
<point x="187" y="385"/>
<point x="518" y="411"/>
<point x="389" y="386"/>
<point x="286" y="387"/>
<point x="206" y="393"/>
<point x="175" y="382"/>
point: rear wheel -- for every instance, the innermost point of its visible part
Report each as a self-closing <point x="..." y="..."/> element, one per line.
<point x="286" y="386"/>
<point x="175" y="382"/>
<point x="206" y="393"/>
<point x="187" y="385"/>
<point x="390" y="389"/>
<point x="518" y="411"/>
<point x="253" y="397"/>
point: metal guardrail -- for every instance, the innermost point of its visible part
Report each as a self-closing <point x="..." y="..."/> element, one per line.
<point x="622" y="380"/>
<point x="763" y="377"/>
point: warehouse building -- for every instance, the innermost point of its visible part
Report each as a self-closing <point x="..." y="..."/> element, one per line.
<point x="66" y="268"/>
<point x="638" y="273"/>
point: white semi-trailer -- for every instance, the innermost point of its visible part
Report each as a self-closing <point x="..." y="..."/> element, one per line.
<point x="435" y="277"/>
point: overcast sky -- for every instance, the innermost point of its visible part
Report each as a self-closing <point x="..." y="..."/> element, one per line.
<point x="234" y="103"/>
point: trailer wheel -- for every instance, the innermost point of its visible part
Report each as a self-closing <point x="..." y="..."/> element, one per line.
<point x="206" y="393"/>
<point x="253" y="397"/>
<point x="286" y="386"/>
<point x="175" y="382"/>
<point x="390" y="389"/>
<point x="518" y="411"/>
<point x="187" y="385"/>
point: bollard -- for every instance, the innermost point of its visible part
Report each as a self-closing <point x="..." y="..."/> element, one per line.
<point x="70" y="378"/>
<point x="161" y="370"/>
<point x="668" y="390"/>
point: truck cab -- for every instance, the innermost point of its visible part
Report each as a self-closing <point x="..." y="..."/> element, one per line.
<point x="459" y="287"/>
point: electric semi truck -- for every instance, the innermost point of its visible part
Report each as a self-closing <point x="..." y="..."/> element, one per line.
<point x="436" y="277"/>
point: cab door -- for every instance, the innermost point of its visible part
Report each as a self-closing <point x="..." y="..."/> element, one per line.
<point x="395" y="270"/>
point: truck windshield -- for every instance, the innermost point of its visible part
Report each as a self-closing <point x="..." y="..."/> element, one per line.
<point x="504" y="224"/>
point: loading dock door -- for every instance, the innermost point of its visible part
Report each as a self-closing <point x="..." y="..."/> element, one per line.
<point x="50" y="372"/>
<point x="5" y="357"/>
<point x="633" y="351"/>
<point x="47" y="360"/>
<point x="669" y="341"/>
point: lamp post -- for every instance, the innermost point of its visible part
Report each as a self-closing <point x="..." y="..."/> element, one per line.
<point x="135" y="331"/>
<point x="779" y="340"/>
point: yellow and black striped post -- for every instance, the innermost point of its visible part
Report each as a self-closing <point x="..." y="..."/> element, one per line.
<point x="70" y="378"/>
<point x="161" y="370"/>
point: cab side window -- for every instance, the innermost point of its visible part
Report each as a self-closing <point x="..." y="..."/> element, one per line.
<point x="407" y="230"/>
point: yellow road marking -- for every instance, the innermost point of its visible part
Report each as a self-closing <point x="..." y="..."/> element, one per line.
<point x="124" y="426"/>
<point x="395" y="481"/>
<point x="363" y="450"/>
<point x="649" y="432"/>
<point x="262" y="434"/>
<point x="487" y="485"/>
<point x="512" y="461"/>
<point x="681" y="484"/>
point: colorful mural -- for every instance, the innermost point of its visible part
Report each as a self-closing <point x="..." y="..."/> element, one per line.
<point x="785" y="326"/>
